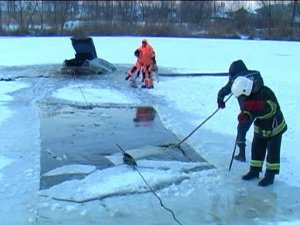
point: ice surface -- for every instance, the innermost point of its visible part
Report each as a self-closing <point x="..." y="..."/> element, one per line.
<point x="71" y="169"/>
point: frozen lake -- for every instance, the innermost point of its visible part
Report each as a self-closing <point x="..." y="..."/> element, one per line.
<point x="56" y="174"/>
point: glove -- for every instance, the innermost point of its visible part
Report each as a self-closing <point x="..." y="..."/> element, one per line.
<point x="254" y="105"/>
<point x="221" y="103"/>
<point x="243" y="117"/>
<point x="153" y="60"/>
<point x="153" y="68"/>
<point x="129" y="74"/>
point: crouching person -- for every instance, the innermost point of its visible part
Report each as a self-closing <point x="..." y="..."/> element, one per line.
<point x="137" y="66"/>
<point x="261" y="107"/>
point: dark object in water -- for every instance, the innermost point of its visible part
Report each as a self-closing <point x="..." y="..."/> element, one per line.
<point x="86" y="60"/>
<point x="127" y="159"/>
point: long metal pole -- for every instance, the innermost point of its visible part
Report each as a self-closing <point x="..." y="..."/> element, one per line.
<point x="233" y="153"/>
<point x="200" y="125"/>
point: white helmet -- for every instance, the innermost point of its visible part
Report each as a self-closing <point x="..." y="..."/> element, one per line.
<point x="242" y="86"/>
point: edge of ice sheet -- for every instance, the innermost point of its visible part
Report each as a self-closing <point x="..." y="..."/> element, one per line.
<point x="112" y="181"/>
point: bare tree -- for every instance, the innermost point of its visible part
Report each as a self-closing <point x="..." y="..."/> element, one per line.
<point x="296" y="11"/>
<point x="109" y="11"/>
<point x="41" y="14"/>
<point x="234" y="6"/>
<point x="241" y="16"/>
<point x="1" y="19"/>
<point x="275" y="16"/>
<point x="22" y="12"/>
<point x="144" y="8"/>
<point x="58" y="14"/>
<point x="196" y="12"/>
<point x="154" y="11"/>
<point x="93" y="10"/>
<point x="164" y="12"/>
<point x="126" y="10"/>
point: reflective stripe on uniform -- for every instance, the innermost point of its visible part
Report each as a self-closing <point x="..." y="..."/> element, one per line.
<point x="270" y="133"/>
<point x="273" y="107"/>
<point x="256" y="163"/>
<point x="273" y="166"/>
<point x="247" y="113"/>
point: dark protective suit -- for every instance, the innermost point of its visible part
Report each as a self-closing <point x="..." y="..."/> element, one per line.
<point x="262" y="107"/>
<point x="236" y="69"/>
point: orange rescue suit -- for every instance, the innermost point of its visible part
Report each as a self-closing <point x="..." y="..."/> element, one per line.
<point x="147" y="54"/>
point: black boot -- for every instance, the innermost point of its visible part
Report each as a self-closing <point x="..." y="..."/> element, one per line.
<point x="242" y="154"/>
<point x="268" y="179"/>
<point x="240" y="157"/>
<point x="251" y="175"/>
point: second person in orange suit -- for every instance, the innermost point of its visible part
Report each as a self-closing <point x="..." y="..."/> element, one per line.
<point x="136" y="67"/>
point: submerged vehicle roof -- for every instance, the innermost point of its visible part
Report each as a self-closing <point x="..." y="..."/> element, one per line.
<point x="84" y="45"/>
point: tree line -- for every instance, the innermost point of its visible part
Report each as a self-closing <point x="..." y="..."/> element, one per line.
<point x="232" y="19"/>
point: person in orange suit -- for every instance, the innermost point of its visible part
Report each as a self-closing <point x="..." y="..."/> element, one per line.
<point x="147" y="58"/>
<point x="137" y="66"/>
